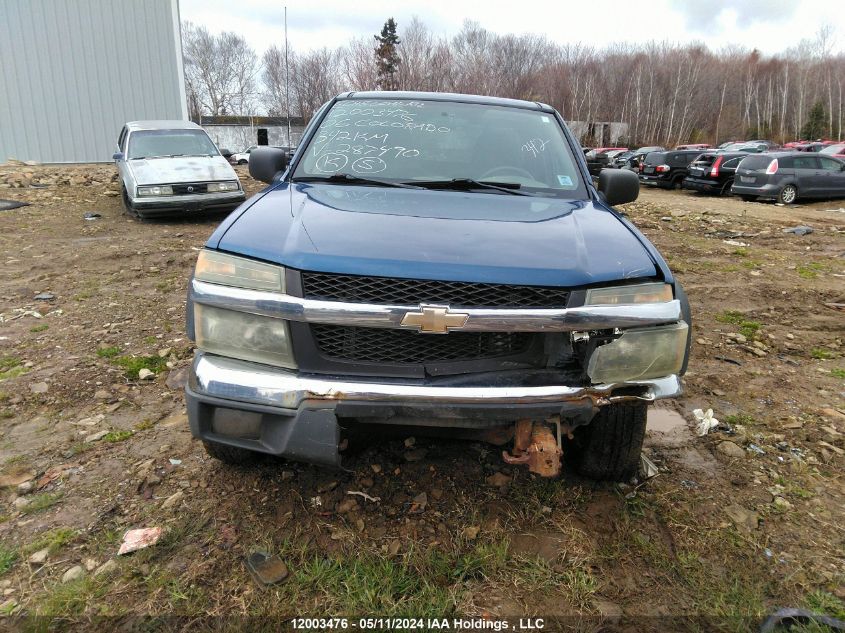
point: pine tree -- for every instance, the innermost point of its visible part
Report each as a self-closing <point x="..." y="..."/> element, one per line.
<point x="816" y="125"/>
<point x="387" y="57"/>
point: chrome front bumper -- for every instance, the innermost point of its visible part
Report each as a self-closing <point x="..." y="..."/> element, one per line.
<point x="250" y="383"/>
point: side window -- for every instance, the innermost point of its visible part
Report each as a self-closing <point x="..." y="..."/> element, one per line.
<point x="829" y="164"/>
<point x="121" y="140"/>
<point x="732" y="163"/>
<point x="805" y="162"/>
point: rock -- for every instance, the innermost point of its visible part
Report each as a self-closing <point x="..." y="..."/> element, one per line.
<point x="416" y="455"/>
<point x="471" y="532"/>
<point x="436" y="494"/>
<point x="833" y="414"/>
<point x="90" y="564"/>
<point x="610" y="612"/>
<point x="173" y="500"/>
<point x="409" y="442"/>
<point x="781" y="504"/>
<point x="45" y="296"/>
<point x="346" y="505"/>
<point x="74" y="573"/>
<point x="146" y="374"/>
<point x="164" y="353"/>
<point x="376" y="468"/>
<point x="39" y="557"/>
<point x="96" y="437"/>
<point x="790" y="336"/>
<point x="102" y="394"/>
<point x="111" y="193"/>
<point x="287" y="474"/>
<point x="394" y="547"/>
<point x="367" y="482"/>
<point x="39" y="387"/>
<point x="831" y="447"/>
<point x="730" y="449"/>
<point x="745" y="520"/>
<point x="498" y="479"/>
<point x="177" y="379"/>
<point x="20" y="503"/>
<point x="106" y="568"/>
<point x="25" y="488"/>
<point x="419" y="503"/>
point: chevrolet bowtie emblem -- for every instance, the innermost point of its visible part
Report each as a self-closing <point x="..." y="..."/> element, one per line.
<point x="434" y="319"/>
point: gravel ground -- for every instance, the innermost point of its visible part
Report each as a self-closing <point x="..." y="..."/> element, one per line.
<point x="736" y="524"/>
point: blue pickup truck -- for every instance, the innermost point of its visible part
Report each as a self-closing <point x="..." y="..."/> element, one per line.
<point x="440" y="261"/>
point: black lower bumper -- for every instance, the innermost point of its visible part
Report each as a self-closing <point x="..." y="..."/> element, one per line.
<point x="155" y="208"/>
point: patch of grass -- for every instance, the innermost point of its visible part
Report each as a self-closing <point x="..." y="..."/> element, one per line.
<point x="744" y="419"/>
<point x="749" y="329"/>
<point x="39" y="328"/>
<point x="821" y="354"/>
<point x="53" y="540"/>
<point x="752" y="263"/>
<point x="11" y="367"/>
<point x="741" y="252"/>
<point x="150" y="340"/>
<point x="8" y="557"/>
<point x="827" y="603"/>
<point x="72" y="598"/>
<point x="143" y="426"/>
<point x="41" y="502"/>
<point x="810" y="271"/>
<point x="117" y="436"/>
<point x="77" y="448"/>
<point x="15" y="459"/>
<point x="838" y="372"/>
<point x="730" y="316"/>
<point x="134" y="364"/>
<point x="108" y="352"/>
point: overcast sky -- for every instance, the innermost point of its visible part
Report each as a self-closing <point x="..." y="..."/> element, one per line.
<point x="769" y="25"/>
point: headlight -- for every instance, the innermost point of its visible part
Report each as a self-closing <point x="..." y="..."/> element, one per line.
<point x="228" y="270"/>
<point x="252" y="337"/>
<point x="640" y="354"/>
<point x="639" y="293"/>
<point x="217" y="187"/>
<point x="157" y="190"/>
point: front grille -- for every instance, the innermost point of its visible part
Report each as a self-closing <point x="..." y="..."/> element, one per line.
<point x="379" y="345"/>
<point x="353" y="288"/>
<point x="182" y="190"/>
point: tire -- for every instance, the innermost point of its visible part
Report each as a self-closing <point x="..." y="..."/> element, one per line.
<point x="727" y="188"/>
<point x="788" y="194"/>
<point x="242" y="162"/>
<point x="609" y="447"/>
<point x="127" y="206"/>
<point x="748" y="198"/>
<point x="231" y="455"/>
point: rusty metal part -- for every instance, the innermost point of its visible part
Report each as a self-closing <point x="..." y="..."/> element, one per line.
<point x="541" y="452"/>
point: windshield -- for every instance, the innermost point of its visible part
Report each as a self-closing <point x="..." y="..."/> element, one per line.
<point x="166" y="143"/>
<point x="403" y="141"/>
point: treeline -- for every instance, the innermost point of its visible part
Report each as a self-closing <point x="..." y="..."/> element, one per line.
<point x="668" y="93"/>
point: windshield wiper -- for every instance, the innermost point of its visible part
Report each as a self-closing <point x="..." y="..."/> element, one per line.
<point x="349" y="179"/>
<point x="466" y="184"/>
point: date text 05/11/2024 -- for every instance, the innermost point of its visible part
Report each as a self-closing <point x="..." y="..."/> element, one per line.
<point x="410" y="624"/>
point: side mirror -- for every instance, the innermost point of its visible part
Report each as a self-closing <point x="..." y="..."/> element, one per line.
<point x="266" y="162"/>
<point x="225" y="153"/>
<point x="619" y="186"/>
<point x="117" y="156"/>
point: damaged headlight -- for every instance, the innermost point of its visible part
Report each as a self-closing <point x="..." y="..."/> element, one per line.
<point x="252" y="337"/>
<point x="640" y="354"/>
<point x="637" y="293"/>
<point x="236" y="334"/>
<point x="240" y="272"/>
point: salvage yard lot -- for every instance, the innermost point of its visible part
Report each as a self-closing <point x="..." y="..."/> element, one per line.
<point x="737" y="523"/>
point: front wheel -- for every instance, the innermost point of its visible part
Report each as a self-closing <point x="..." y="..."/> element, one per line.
<point x="609" y="447"/>
<point x="788" y="194"/>
<point x="242" y="162"/>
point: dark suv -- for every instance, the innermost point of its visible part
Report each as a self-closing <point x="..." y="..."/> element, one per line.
<point x="713" y="172"/>
<point x="786" y="176"/>
<point x="666" y="169"/>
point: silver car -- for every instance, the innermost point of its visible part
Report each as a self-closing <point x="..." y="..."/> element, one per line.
<point x="169" y="167"/>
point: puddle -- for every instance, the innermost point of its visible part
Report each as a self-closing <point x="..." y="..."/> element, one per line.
<point x="665" y="420"/>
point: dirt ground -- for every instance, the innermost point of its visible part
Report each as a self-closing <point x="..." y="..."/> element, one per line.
<point x="738" y="523"/>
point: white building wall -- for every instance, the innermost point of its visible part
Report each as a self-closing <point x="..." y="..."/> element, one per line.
<point x="72" y="72"/>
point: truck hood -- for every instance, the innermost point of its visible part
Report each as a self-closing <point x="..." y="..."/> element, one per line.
<point x="446" y="235"/>
<point x="160" y="171"/>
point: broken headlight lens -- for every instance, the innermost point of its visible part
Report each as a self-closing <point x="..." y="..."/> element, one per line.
<point x="157" y="190"/>
<point x="640" y="354"/>
<point x="251" y="337"/>
<point x="638" y="293"/>
<point x="229" y="270"/>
